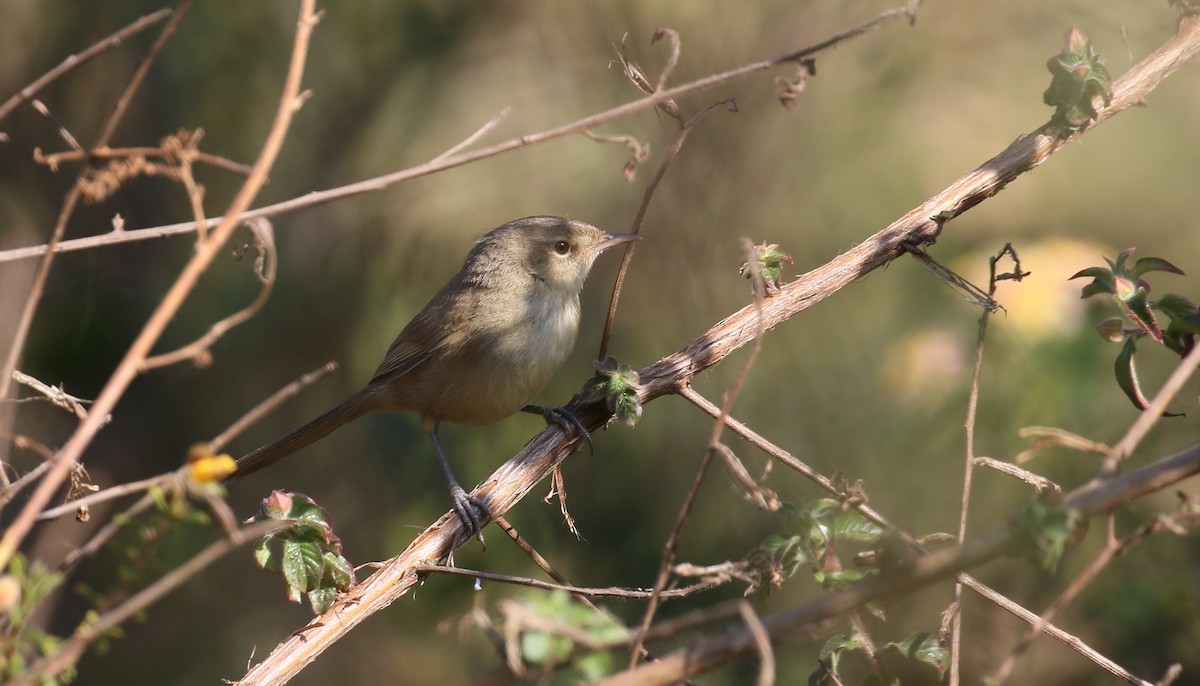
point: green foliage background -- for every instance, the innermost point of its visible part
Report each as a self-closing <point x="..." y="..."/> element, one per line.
<point x="872" y="382"/>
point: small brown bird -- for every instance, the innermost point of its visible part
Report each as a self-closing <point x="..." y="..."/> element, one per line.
<point x="486" y="343"/>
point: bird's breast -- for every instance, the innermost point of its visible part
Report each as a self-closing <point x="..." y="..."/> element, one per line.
<point x="514" y="356"/>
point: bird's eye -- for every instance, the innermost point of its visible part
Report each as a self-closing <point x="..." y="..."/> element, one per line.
<point x="562" y="247"/>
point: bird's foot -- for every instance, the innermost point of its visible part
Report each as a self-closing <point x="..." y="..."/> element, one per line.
<point x="562" y="417"/>
<point x="471" y="512"/>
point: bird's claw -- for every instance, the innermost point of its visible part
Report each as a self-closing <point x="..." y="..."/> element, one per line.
<point x="564" y="418"/>
<point x="465" y="506"/>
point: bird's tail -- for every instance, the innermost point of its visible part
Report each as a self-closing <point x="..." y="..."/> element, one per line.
<point x="349" y="409"/>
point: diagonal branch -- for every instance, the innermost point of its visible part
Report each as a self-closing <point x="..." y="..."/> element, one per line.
<point x="517" y="477"/>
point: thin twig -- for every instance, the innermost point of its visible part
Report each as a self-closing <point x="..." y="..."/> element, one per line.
<point x="636" y="227"/>
<point x="480" y="133"/>
<point x="21" y="333"/>
<point x="1054" y="436"/>
<point x="1038" y="481"/>
<point x="26" y="93"/>
<point x="762" y="643"/>
<point x="714" y="440"/>
<point x="55" y="394"/>
<point x="127" y="369"/>
<point x="69" y="652"/>
<point x="263" y="408"/>
<point x="263" y="240"/>
<point x="24" y="443"/>
<point x="53" y="160"/>
<point x="444" y="163"/>
<point x="988" y="305"/>
<point x="582" y="591"/>
<point x="110" y="493"/>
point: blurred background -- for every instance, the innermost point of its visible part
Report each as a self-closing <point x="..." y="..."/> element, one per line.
<point x="872" y="382"/>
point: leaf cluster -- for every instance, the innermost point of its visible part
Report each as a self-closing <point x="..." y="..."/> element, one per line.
<point x="307" y="552"/>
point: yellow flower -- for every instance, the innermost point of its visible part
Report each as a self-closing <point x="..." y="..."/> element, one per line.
<point x="212" y="468"/>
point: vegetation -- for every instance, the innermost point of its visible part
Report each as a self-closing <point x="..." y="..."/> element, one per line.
<point x="858" y="533"/>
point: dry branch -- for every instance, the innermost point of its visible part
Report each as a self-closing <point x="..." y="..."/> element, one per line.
<point x="515" y="478"/>
<point x="735" y="644"/>
<point x="206" y="251"/>
<point x="27" y="93"/>
<point x="449" y="161"/>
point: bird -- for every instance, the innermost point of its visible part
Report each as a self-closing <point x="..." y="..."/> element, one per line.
<point x="481" y="349"/>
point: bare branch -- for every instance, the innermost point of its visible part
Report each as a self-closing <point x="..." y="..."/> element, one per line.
<point x="127" y="369"/>
<point x="72" y="649"/>
<point x="709" y="653"/>
<point x="55" y="394"/>
<point x="263" y="241"/>
<point x="443" y="163"/>
<point x="513" y="480"/>
<point x="605" y="592"/>
<point x="26" y="93"/>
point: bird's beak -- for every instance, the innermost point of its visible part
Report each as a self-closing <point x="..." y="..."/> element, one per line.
<point x="611" y="239"/>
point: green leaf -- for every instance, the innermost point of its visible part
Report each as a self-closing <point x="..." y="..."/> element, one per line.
<point x="839" y="643"/>
<point x="923" y="647"/>
<point x="1094" y="272"/>
<point x="558" y="608"/>
<point x="1118" y="264"/>
<point x="616" y="384"/>
<point x="302" y="565"/>
<point x="1079" y="79"/>
<point x="321" y="599"/>
<point x="831" y="657"/>
<point x="838" y="578"/>
<point x="851" y="525"/>
<point x="263" y="556"/>
<point x="1180" y="339"/>
<point x="1127" y="375"/>
<point x="1180" y="311"/>
<point x="788" y="552"/>
<point x="338" y="571"/>
<point x="1152" y="264"/>
<point x="769" y="263"/>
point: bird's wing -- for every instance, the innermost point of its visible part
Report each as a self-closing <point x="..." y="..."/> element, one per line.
<point x="434" y="329"/>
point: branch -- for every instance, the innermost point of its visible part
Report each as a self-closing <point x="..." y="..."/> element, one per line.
<point x="27" y="93"/>
<point x="72" y="649"/>
<point x="206" y="251"/>
<point x="65" y="212"/>
<point x="917" y="226"/>
<point x="517" y="477"/>
<point x="734" y="644"/>
<point x="444" y="161"/>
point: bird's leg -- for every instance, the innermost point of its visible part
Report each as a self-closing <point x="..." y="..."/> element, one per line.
<point x="464" y="503"/>
<point x="562" y="417"/>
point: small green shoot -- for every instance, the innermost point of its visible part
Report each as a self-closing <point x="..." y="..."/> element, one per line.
<point x="616" y="384"/>
<point x="1080" y="81"/>
<point x="308" y="555"/>
<point x="769" y="263"/>
<point x="1131" y="294"/>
